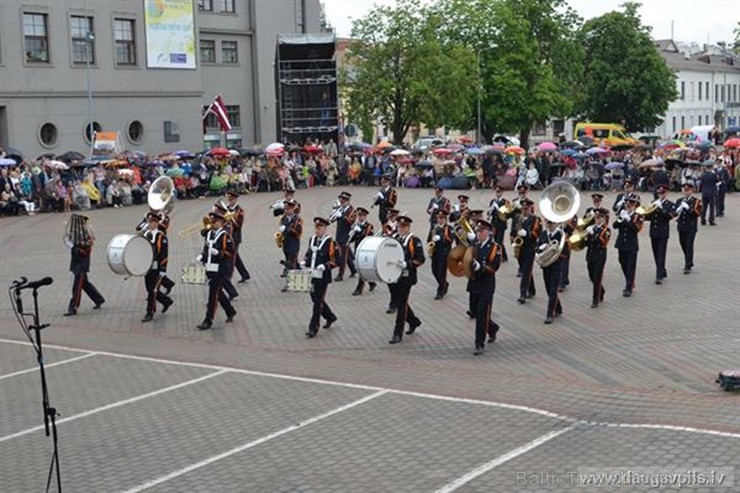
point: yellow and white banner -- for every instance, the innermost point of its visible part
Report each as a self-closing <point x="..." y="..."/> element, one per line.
<point x="170" y="34"/>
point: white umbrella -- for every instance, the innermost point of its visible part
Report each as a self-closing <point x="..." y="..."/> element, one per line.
<point x="400" y="152"/>
<point x="126" y="171"/>
<point x="275" y="147"/>
<point x="57" y="164"/>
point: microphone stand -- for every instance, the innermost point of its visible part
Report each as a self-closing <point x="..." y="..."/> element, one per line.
<point x="50" y="413"/>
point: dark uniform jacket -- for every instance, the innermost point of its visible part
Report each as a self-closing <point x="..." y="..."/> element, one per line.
<point x="80" y="261"/>
<point x="293" y="231"/>
<point x="547" y="237"/>
<point x="387" y="201"/>
<point x="326" y="254"/>
<point x="687" y="219"/>
<point x="533" y="226"/>
<point x="236" y="224"/>
<point x="413" y="252"/>
<point x="442" y="203"/>
<point x="597" y="242"/>
<point x="628" y="230"/>
<point x="346" y="219"/>
<point x="222" y="241"/>
<point x="497" y="223"/>
<point x="446" y="237"/>
<point x="708" y="184"/>
<point x="159" y="249"/>
<point x="488" y="256"/>
<point x="660" y="220"/>
<point x="619" y="202"/>
<point x="366" y="229"/>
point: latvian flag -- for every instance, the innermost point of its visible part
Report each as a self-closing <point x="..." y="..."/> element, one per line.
<point x="218" y="108"/>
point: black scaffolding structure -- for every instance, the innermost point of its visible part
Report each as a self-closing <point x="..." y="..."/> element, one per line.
<point x="307" y="88"/>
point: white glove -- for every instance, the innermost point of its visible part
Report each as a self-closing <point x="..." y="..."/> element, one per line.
<point x="624" y="215"/>
<point x="684" y="206"/>
<point x="199" y="258"/>
<point x="379" y="195"/>
<point x="436" y="238"/>
<point x="476" y="265"/>
<point x="435" y="206"/>
<point x="321" y="268"/>
<point x="358" y="229"/>
<point x="522" y="233"/>
<point x="471" y="236"/>
<point x="620" y="204"/>
<point x="656" y="202"/>
<point x="402" y="264"/>
<point x="494" y="207"/>
<point x="590" y="230"/>
<point x="457" y="207"/>
<point x="282" y="228"/>
<point x="162" y="273"/>
<point x="212" y="251"/>
<point x="303" y="264"/>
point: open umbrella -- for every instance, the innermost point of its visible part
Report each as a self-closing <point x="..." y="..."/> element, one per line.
<point x="651" y="163"/>
<point x="218" y="152"/>
<point x="313" y="149"/>
<point x="621" y="147"/>
<point x="473" y="151"/>
<point x="456" y="147"/>
<point x="400" y="152"/>
<point x="596" y="150"/>
<point x="568" y="152"/>
<point x="383" y="145"/>
<point x="71" y="156"/>
<point x="7" y="162"/>
<point x="275" y="147"/>
<point x="174" y="172"/>
<point x="613" y="165"/>
<point x="515" y="150"/>
<point x="464" y="139"/>
<point x="56" y="164"/>
<point x="547" y="146"/>
<point x="441" y="151"/>
<point x="424" y="164"/>
<point x="126" y="172"/>
<point x="732" y="143"/>
<point x="571" y="144"/>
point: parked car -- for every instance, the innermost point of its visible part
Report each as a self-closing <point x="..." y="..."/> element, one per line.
<point x="425" y="143"/>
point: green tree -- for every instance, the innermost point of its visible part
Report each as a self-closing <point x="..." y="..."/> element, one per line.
<point x="625" y="78"/>
<point x="529" y="59"/>
<point x="736" y="43"/>
<point x="402" y="75"/>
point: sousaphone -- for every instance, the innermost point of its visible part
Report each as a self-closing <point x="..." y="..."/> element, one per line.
<point x="161" y="195"/>
<point x="558" y="203"/>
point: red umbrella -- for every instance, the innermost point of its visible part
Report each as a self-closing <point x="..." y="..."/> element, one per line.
<point x="732" y="143"/>
<point x="218" y="152"/>
<point x="514" y="150"/>
<point x="313" y="148"/>
<point x="441" y="151"/>
<point x="464" y="139"/>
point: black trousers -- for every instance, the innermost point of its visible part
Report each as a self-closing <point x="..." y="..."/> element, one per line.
<point x="216" y="296"/>
<point x="239" y="264"/>
<point x="167" y="283"/>
<point x="483" y="303"/>
<point x="82" y="283"/>
<point x="152" y="279"/>
<point x="320" y="306"/>
<point x="227" y="285"/>
<point x="499" y="237"/>
<point x="721" y="201"/>
<point x="628" y="262"/>
<point x="565" y="271"/>
<point x="596" y="276"/>
<point x="291" y="258"/>
<point x="660" y="247"/>
<point x="348" y="260"/>
<point x="708" y="203"/>
<point x="686" y="239"/>
<point x="526" y="284"/>
<point x="551" y="276"/>
<point x="400" y="292"/>
<point x="439" y="270"/>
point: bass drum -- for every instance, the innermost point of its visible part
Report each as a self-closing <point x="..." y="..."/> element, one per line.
<point x="130" y="255"/>
<point x="377" y="259"/>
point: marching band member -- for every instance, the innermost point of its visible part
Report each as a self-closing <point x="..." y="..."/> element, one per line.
<point x="708" y="188"/>
<point x="568" y="228"/>
<point x="278" y="208"/>
<point x="629" y="225"/>
<point x="529" y="231"/>
<point x="390" y="230"/>
<point x="218" y="256"/>
<point x="688" y="209"/>
<point x="360" y="231"/>
<point x="516" y="217"/>
<point x="473" y="217"/>
<point x="460" y="211"/>
<point x="386" y="199"/>
<point x="226" y="284"/>
<point x="599" y="234"/>
<point x="597" y="199"/>
<point x="485" y="264"/>
<point x="345" y="217"/>
<point x="80" y="265"/>
<point x="442" y="237"/>
<point x="236" y="223"/>
<point x="660" y="231"/>
<point x="158" y="269"/>
<point x="437" y="203"/>
<point x="620" y="201"/>
<point x="164" y="224"/>
<point x="291" y="229"/>
<point x="551" y="274"/>
<point x="499" y="225"/>
<point x="321" y="257"/>
<point x="401" y="289"/>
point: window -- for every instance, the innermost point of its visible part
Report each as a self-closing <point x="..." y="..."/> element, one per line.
<point x="228" y="52"/>
<point x="210" y="119"/>
<point x="124" y="33"/>
<point x="683" y="122"/>
<point x="86" y="130"/>
<point x="135" y="131"/>
<point x="207" y="51"/>
<point x="171" y="130"/>
<point x="674" y="125"/>
<point x="48" y="135"/>
<point x="734" y="93"/>
<point x="83" y="39"/>
<point x="36" y="38"/>
<point x="706" y="91"/>
<point x="699" y="115"/>
<point x="232" y="112"/>
<point x="205" y="5"/>
<point x="716" y="93"/>
<point x="683" y="90"/>
<point x="300" y="24"/>
<point x="699" y="91"/>
<point x="228" y="6"/>
<point x="722" y="94"/>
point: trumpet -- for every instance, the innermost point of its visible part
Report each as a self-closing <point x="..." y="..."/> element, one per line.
<point x="279" y="239"/>
<point x="650" y="209"/>
<point x="506" y="211"/>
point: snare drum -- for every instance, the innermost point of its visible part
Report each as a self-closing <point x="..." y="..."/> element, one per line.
<point x="377" y="259"/>
<point x="130" y="255"/>
<point x="299" y="280"/>
<point x="194" y="274"/>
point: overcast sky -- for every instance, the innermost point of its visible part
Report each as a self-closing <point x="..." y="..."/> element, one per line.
<point x="693" y="20"/>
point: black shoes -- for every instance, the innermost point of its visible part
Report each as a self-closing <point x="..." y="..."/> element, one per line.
<point x="687" y="271"/>
<point x="521" y="301"/>
<point x="447" y="287"/>
<point x="339" y="278"/>
<point x="493" y="333"/>
<point x="395" y="340"/>
<point x="372" y="286"/>
<point x="470" y="314"/>
<point x="205" y="325"/>
<point x="245" y="279"/>
<point x="626" y="293"/>
<point x="352" y="274"/>
<point x="230" y="318"/>
<point x="98" y="305"/>
<point x="595" y="304"/>
<point x="391" y="309"/>
<point x="357" y="292"/>
<point x="478" y="351"/>
<point x="658" y="281"/>
<point x="438" y="296"/>
<point x="413" y="326"/>
<point x="311" y="334"/>
<point x="168" y="289"/>
<point x="70" y="313"/>
<point x="234" y="296"/>
<point x="167" y="306"/>
<point x="147" y="318"/>
<point x="330" y="321"/>
<point x="548" y="320"/>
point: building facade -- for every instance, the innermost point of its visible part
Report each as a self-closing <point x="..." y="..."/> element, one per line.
<point x="66" y="63"/>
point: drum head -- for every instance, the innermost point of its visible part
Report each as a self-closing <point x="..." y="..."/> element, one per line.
<point x="377" y="259"/>
<point x="137" y="256"/>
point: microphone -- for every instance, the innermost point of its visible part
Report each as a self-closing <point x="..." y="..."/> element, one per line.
<point x="36" y="284"/>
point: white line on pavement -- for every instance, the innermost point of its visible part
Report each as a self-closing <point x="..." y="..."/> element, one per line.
<point x="513" y="454"/>
<point x="253" y="443"/>
<point x="115" y="404"/>
<point x="63" y="362"/>
<point x="462" y="400"/>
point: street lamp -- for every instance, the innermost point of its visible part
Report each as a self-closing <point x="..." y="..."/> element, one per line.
<point x="480" y="89"/>
<point x="89" y="38"/>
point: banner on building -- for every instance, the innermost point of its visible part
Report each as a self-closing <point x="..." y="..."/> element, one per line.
<point x="107" y="144"/>
<point x="170" y="34"/>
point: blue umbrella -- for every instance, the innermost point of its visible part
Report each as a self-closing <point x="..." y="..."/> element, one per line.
<point x="614" y="165"/>
<point x="473" y="151"/>
<point x="596" y="150"/>
<point x="568" y="152"/>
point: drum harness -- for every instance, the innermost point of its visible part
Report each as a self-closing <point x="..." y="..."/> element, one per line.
<point x="211" y="239"/>
<point x="151" y="235"/>
<point x="315" y="248"/>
